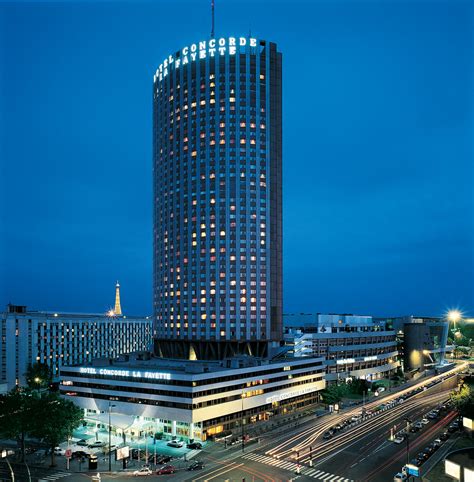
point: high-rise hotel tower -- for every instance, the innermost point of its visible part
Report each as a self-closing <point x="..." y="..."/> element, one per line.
<point x="217" y="153"/>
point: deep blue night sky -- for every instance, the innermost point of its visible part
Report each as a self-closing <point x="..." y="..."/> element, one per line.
<point x="378" y="149"/>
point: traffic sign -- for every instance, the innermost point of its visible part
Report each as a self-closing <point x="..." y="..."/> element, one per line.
<point x="68" y="453"/>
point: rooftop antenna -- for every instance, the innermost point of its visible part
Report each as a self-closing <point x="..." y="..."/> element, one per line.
<point x="212" y="12"/>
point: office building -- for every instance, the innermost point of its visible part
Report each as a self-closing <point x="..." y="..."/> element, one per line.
<point x="59" y="339"/>
<point x="352" y="346"/>
<point x="422" y="342"/>
<point x="217" y="170"/>
<point x="190" y="399"/>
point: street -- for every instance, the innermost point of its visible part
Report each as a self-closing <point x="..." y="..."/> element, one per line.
<point x="360" y="452"/>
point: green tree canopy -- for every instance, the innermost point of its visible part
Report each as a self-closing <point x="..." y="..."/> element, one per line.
<point x="55" y="419"/>
<point x="38" y="375"/>
<point x="464" y="401"/>
<point x="17" y="409"/>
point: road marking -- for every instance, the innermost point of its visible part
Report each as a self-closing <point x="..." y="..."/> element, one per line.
<point x="233" y="466"/>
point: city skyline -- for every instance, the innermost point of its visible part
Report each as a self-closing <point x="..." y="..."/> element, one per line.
<point x="396" y="236"/>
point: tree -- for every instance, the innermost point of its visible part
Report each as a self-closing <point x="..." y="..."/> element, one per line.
<point x="463" y="400"/>
<point x="55" y="420"/>
<point x="38" y="375"/>
<point x="17" y="410"/>
<point x="334" y="393"/>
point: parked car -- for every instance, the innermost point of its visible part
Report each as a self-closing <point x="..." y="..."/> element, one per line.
<point x="175" y="443"/>
<point x="167" y="469"/>
<point x="414" y="429"/>
<point x="438" y="442"/>
<point x="82" y="443"/>
<point x="196" y="465"/>
<point x="416" y="462"/>
<point x="59" y="451"/>
<point x="422" y="456"/>
<point x="425" y="421"/>
<point x="418" y="425"/>
<point x="80" y="454"/>
<point x="143" y="471"/>
<point x="452" y="428"/>
<point x="327" y="435"/>
<point x="194" y="446"/>
<point x="398" y="440"/>
<point x="400" y="477"/>
<point x="444" y="436"/>
<point x="163" y="459"/>
<point x="96" y="444"/>
<point x="429" y="450"/>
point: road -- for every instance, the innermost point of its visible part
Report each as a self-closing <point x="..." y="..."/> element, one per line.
<point x="360" y="452"/>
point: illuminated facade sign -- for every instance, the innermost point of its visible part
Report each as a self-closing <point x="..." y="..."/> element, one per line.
<point x="201" y="50"/>
<point x="296" y="393"/>
<point x="370" y="358"/>
<point x="125" y="373"/>
<point x="345" y="361"/>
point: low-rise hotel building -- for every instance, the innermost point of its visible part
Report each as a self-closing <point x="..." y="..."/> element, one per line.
<point x="191" y="399"/>
<point x="57" y="339"/>
<point x="352" y="346"/>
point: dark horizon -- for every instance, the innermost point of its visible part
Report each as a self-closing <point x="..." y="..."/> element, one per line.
<point x="378" y="214"/>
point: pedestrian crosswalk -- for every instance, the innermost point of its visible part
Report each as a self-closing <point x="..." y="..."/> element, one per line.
<point x="325" y="476"/>
<point x="55" y="476"/>
<point x="306" y="471"/>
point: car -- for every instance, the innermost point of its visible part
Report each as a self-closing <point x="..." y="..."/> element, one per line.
<point x="163" y="459"/>
<point x="444" y="436"/>
<point x="398" y="440"/>
<point x="414" y="429"/>
<point x="166" y="469"/>
<point x="143" y="471"/>
<point x="327" y="435"/>
<point x="80" y="454"/>
<point x="452" y="429"/>
<point x="82" y="443"/>
<point x="175" y="443"/>
<point x="438" y="442"/>
<point x="96" y="444"/>
<point x="196" y="465"/>
<point x="418" y="425"/>
<point x="416" y="462"/>
<point x="425" y="421"/>
<point x="194" y="446"/>
<point x="400" y="477"/>
<point x="59" y="451"/>
<point x="422" y="456"/>
<point x="429" y="450"/>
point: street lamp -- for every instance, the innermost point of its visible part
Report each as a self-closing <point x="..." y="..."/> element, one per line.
<point x="242" y="421"/>
<point x="454" y="316"/>
<point x="110" y="437"/>
<point x="408" y="421"/>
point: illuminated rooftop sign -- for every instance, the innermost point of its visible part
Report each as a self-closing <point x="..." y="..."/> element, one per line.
<point x="125" y="373"/>
<point x="201" y="50"/>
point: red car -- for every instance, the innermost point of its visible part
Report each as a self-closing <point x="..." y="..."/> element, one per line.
<point x="167" y="469"/>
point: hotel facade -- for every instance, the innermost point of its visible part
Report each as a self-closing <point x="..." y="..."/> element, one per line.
<point x="351" y="345"/>
<point x="58" y="339"/>
<point x="217" y="170"/>
<point x="191" y="399"/>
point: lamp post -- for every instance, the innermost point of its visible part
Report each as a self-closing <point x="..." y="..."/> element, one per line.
<point x="110" y="437"/>
<point x="408" y="421"/>
<point x="454" y="316"/>
<point x="242" y="421"/>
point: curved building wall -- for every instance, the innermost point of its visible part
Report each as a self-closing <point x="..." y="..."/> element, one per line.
<point x="217" y="199"/>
